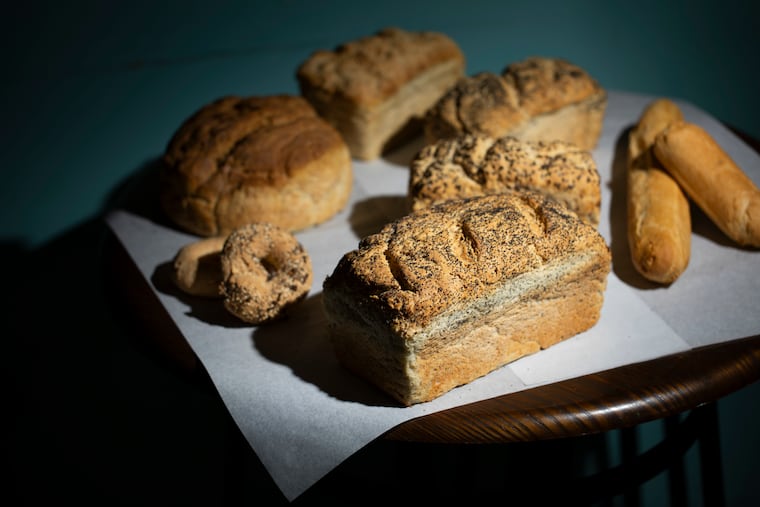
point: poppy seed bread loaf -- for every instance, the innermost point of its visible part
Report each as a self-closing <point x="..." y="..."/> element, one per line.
<point x="448" y="294"/>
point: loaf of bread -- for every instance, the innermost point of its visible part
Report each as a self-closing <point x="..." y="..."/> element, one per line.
<point x="447" y="294"/>
<point x="472" y="165"/>
<point x="256" y="159"/>
<point x="537" y="99"/>
<point x="376" y="90"/>
<point x="659" y="220"/>
<point x="712" y="180"/>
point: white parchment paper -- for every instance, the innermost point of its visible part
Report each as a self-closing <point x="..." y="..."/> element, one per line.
<point x="303" y="415"/>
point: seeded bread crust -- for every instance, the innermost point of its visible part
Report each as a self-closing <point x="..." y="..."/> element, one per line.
<point x="445" y="295"/>
<point x="265" y="271"/>
<point x="472" y="165"/>
<point x="375" y="90"/>
<point x="254" y="159"/>
<point x="537" y="99"/>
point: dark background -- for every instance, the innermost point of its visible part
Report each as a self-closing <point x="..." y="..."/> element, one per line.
<point x="91" y="93"/>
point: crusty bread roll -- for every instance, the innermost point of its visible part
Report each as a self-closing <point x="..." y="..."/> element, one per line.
<point x="197" y="267"/>
<point x="537" y="99"/>
<point x="712" y="179"/>
<point x="659" y="221"/>
<point x="375" y="90"/>
<point x="472" y="165"/>
<point x="447" y="294"/>
<point x="256" y="159"/>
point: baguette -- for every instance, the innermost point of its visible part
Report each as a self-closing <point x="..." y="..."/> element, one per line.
<point x="659" y="221"/>
<point x="712" y="180"/>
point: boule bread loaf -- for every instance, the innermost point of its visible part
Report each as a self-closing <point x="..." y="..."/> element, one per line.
<point x="658" y="215"/>
<point x="447" y="294"/>
<point x="376" y="89"/>
<point x="536" y="99"/>
<point x="712" y="179"/>
<point x="472" y="165"/>
<point x="239" y="160"/>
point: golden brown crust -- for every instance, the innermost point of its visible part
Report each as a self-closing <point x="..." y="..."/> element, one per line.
<point x="369" y="70"/>
<point x="265" y="270"/>
<point x="376" y="90"/>
<point x="449" y="293"/>
<point x="538" y="99"/>
<point x="712" y="179"/>
<point x="240" y="160"/>
<point x="659" y="221"/>
<point x="472" y="165"/>
<point x="197" y="268"/>
<point x="548" y="84"/>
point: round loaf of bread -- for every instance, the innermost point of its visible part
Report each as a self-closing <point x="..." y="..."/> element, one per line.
<point x="256" y="159"/>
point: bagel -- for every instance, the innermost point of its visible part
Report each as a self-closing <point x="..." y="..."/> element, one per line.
<point x="265" y="270"/>
<point x="197" y="267"/>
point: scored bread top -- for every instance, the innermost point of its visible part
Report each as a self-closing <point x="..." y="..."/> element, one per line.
<point x="237" y="140"/>
<point x="492" y="104"/>
<point x="422" y="264"/>
<point x="471" y="165"/>
<point x="547" y="84"/>
<point x="368" y="70"/>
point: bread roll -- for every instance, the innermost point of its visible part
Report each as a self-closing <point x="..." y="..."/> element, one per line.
<point x="255" y="159"/>
<point x="447" y="294"/>
<point x="659" y="221"/>
<point x="197" y="267"/>
<point x="712" y="179"/>
<point x="471" y="165"/>
<point x="375" y="90"/>
<point x="537" y="99"/>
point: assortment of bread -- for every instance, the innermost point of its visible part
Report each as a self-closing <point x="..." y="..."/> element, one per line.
<point x="498" y="254"/>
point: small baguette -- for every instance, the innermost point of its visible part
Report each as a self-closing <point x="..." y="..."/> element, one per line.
<point x="659" y="222"/>
<point x="712" y="180"/>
